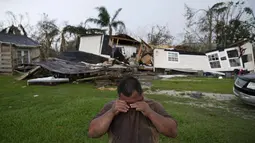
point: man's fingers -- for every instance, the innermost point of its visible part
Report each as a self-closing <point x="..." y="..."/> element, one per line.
<point x="138" y="109"/>
<point x="133" y="105"/>
<point x="123" y="109"/>
<point x="123" y="105"/>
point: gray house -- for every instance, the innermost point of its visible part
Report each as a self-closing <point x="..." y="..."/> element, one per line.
<point x="16" y="50"/>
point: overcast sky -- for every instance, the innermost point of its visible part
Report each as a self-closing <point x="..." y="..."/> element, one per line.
<point x="138" y="15"/>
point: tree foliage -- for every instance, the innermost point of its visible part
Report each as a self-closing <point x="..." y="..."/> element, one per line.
<point x="46" y="33"/>
<point x="160" y="35"/>
<point x="15" y="24"/>
<point x="224" y="23"/>
<point x="234" y="23"/>
<point x="105" y="20"/>
<point x="15" y="30"/>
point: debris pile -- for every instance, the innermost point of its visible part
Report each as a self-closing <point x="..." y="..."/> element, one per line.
<point x="54" y="70"/>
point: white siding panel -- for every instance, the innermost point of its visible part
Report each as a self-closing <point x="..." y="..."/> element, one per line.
<point x="194" y="62"/>
<point x="128" y="51"/>
<point x="224" y="63"/>
<point x="249" y="50"/>
<point x="248" y="47"/>
<point x="91" y="44"/>
<point x="249" y="66"/>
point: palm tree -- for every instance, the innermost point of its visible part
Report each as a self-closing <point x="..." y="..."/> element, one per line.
<point x="105" y="20"/>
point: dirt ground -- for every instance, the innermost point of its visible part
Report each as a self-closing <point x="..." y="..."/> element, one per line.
<point x="228" y="102"/>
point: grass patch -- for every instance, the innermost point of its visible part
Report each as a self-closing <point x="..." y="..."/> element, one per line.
<point x="195" y="84"/>
<point x="62" y="114"/>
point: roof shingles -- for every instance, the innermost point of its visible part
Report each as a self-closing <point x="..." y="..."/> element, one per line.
<point x="18" y="40"/>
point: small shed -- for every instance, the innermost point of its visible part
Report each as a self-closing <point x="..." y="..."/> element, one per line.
<point x="17" y="50"/>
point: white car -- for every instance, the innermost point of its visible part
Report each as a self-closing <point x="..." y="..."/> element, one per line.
<point x="244" y="88"/>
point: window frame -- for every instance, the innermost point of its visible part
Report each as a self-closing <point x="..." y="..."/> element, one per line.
<point x="178" y="56"/>
<point x="212" y="59"/>
<point x="23" y="54"/>
<point x="233" y="58"/>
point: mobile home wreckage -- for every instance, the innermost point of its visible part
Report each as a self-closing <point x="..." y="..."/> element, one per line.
<point x="221" y="60"/>
<point x="104" y="58"/>
<point x="179" y="60"/>
<point x="17" y="50"/>
<point x="236" y="56"/>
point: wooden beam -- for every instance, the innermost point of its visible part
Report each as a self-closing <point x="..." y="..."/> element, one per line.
<point x="19" y="72"/>
<point x="125" y="39"/>
<point x="117" y="41"/>
<point x="29" y="73"/>
<point x="139" y="52"/>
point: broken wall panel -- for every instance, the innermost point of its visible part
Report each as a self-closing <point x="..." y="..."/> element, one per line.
<point x="106" y="48"/>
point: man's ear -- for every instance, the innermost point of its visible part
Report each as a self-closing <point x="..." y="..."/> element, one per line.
<point x="121" y="95"/>
<point x="142" y="96"/>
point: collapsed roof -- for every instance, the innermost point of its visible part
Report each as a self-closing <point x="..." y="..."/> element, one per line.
<point x="124" y="39"/>
<point x="65" y="67"/>
<point x="78" y="56"/>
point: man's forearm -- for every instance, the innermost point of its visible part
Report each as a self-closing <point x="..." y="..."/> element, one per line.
<point x="164" y="125"/>
<point x="100" y="125"/>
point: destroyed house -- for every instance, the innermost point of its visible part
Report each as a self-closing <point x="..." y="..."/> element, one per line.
<point x="100" y="44"/>
<point x="17" y="50"/>
<point x="172" y="59"/>
<point x="126" y="44"/>
<point x="236" y="56"/>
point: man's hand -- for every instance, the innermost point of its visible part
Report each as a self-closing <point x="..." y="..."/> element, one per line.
<point x="119" y="106"/>
<point x="143" y="107"/>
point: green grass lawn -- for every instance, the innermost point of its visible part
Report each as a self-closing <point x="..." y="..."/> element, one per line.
<point x="196" y="84"/>
<point x="62" y="114"/>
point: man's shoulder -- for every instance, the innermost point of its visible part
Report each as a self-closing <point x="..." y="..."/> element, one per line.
<point x="152" y="102"/>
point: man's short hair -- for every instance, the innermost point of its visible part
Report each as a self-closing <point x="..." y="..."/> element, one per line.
<point x="128" y="85"/>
